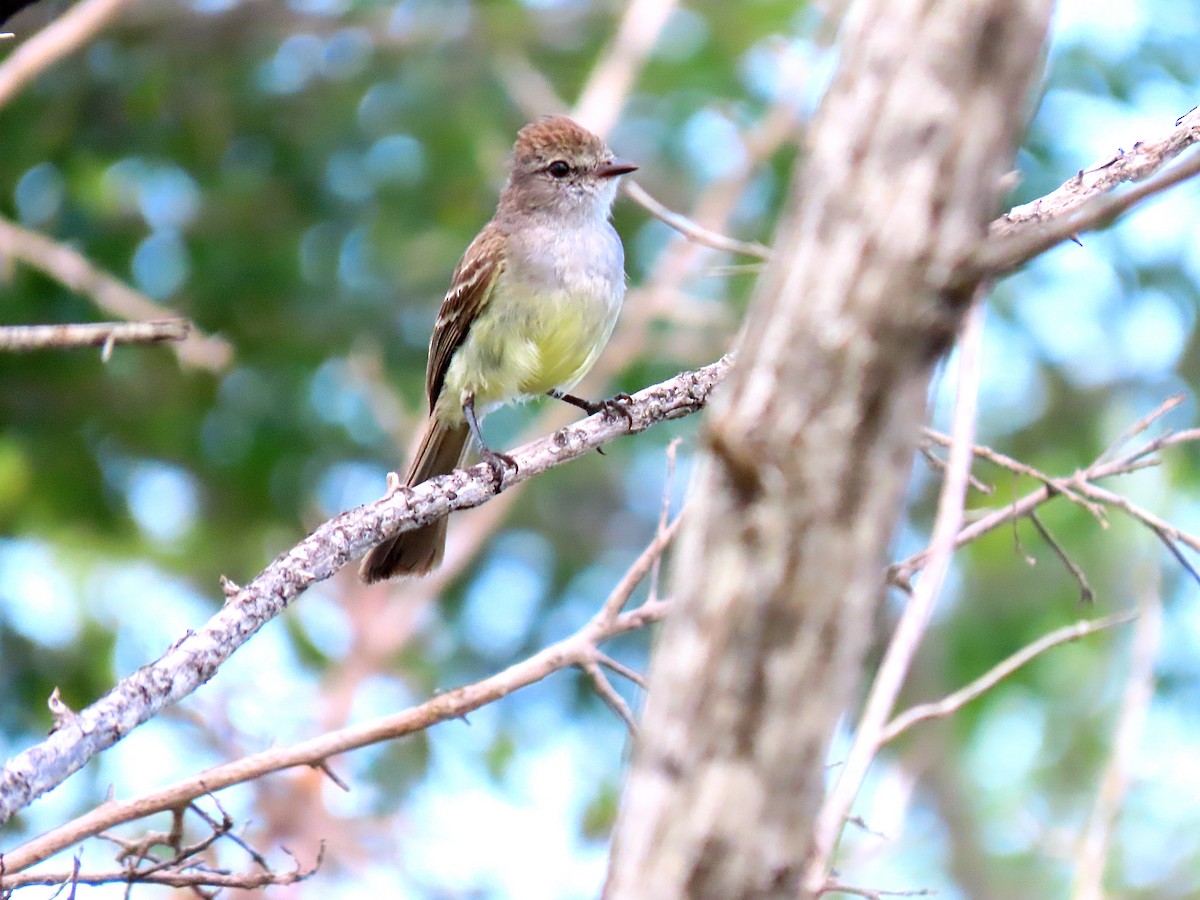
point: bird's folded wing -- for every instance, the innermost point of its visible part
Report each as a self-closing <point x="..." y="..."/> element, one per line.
<point x="471" y="288"/>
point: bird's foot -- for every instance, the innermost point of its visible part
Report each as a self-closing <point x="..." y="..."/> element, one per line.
<point x="499" y="463"/>
<point x="616" y="407"/>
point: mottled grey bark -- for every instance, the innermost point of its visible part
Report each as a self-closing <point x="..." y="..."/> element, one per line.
<point x="779" y="572"/>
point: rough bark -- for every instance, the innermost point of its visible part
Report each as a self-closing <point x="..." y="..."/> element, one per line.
<point x="779" y="572"/>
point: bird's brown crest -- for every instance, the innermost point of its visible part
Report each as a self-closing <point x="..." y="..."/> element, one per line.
<point x="549" y="138"/>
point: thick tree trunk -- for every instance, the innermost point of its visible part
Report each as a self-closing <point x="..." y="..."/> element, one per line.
<point x="778" y="574"/>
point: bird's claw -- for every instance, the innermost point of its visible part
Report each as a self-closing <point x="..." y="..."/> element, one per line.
<point x="498" y="462"/>
<point x="617" y="406"/>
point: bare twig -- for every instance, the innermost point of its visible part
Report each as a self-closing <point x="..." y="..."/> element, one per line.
<point x="1139" y="691"/>
<point x="1169" y="439"/>
<point x="1143" y="423"/>
<point x="1017" y="467"/>
<point x="192" y="878"/>
<point x="580" y="649"/>
<point x="95" y="334"/>
<point x="915" y="618"/>
<point x="1083" y="203"/>
<point x="184" y="868"/>
<point x="75" y="271"/>
<point x="689" y="229"/>
<point x="1141" y="161"/>
<point x="984" y="683"/>
<point x="194" y="658"/>
<point x="1144" y="516"/>
<point x="63" y="36"/>
<point x="1086" y="594"/>
<point x="603" y="687"/>
<point x="614" y="73"/>
<point x="664" y="515"/>
<point x="1081" y="484"/>
<point x="834" y="887"/>
<point x="1174" y="550"/>
<point x="939" y="465"/>
<point x="619" y="667"/>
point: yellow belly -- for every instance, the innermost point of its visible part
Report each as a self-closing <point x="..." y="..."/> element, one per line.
<point x="521" y="346"/>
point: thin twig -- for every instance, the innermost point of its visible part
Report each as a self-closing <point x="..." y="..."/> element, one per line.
<point x="689" y="229"/>
<point x="939" y="465"/>
<point x="1178" y="554"/>
<point x="1086" y="594"/>
<point x="621" y="669"/>
<point x="1139" y="691"/>
<point x="1144" y="516"/>
<point x="182" y="879"/>
<point x="1081" y="483"/>
<point x="915" y="618"/>
<point x="66" y="34"/>
<point x="1060" y="485"/>
<point x="1170" y="439"/>
<point x="993" y="676"/>
<point x="21" y="338"/>
<point x="1143" y="423"/>
<point x="614" y="73"/>
<point x="602" y="686"/>
<point x="642" y="566"/>
<point x="111" y="295"/>
<point x="224" y="828"/>
<point x="664" y="513"/>
<point x="578" y="649"/>
<point x="834" y="887"/>
<point x="999" y="257"/>
<point x="1018" y="546"/>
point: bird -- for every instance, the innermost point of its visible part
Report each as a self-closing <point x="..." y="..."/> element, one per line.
<point x="531" y="305"/>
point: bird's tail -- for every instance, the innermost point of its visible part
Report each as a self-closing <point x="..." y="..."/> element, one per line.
<point x="420" y="551"/>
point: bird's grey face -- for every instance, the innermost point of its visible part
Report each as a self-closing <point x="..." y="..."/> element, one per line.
<point x="561" y="167"/>
<point x="582" y="183"/>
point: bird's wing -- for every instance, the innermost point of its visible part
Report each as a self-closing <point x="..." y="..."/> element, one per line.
<point x="471" y="288"/>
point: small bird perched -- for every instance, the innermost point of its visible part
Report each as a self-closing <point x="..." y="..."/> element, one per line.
<point x="531" y="305"/>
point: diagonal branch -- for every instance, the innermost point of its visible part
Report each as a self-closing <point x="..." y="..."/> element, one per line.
<point x="951" y="703"/>
<point x="1095" y="845"/>
<point x="63" y="36"/>
<point x="1080" y="205"/>
<point x="21" y="338"/>
<point x="612" y="77"/>
<point x="579" y="649"/>
<point x="915" y="618"/>
<point x="72" y="269"/>
<point x="194" y="659"/>
<point x="693" y="231"/>
<point x="1079" y="488"/>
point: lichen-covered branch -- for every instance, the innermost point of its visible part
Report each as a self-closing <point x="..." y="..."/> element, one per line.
<point x="580" y="649"/>
<point x="23" y="338"/>
<point x="195" y="657"/>
<point x="72" y="269"/>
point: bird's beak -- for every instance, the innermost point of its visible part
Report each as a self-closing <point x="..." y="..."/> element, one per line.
<point x="614" y="167"/>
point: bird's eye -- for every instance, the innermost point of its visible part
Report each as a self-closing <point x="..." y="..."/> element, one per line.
<point x="559" y="169"/>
